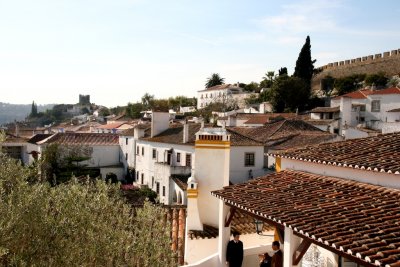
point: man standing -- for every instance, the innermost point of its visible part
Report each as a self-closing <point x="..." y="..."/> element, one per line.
<point x="277" y="258"/>
<point x="234" y="251"/>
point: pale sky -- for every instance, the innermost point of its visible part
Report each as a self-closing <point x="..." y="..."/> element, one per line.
<point x="53" y="50"/>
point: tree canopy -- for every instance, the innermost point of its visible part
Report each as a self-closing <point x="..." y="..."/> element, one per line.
<point x="288" y="94"/>
<point x="76" y="224"/>
<point x="214" y="80"/>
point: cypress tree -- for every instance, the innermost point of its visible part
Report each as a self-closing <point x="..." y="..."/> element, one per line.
<point x="305" y="65"/>
<point x="33" y="110"/>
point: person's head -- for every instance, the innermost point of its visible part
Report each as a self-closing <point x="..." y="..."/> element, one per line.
<point x="276" y="245"/>
<point x="236" y="235"/>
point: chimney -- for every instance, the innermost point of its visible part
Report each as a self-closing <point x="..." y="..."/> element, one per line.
<point x="159" y="122"/>
<point x="212" y="150"/>
<point x="185" y="132"/>
<point x="16" y="129"/>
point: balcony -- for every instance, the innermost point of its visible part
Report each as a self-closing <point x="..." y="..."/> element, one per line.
<point x="163" y="169"/>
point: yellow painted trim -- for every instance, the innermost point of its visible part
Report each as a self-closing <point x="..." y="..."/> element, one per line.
<point x="192" y="196"/>
<point x="208" y="142"/>
<point x="192" y="191"/>
<point x="278" y="165"/>
<point x="213" y="147"/>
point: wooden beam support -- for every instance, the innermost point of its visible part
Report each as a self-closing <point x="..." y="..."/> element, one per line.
<point x="228" y="220"/>
<point x="300" y="251"/>
<point x="281" y="235"/>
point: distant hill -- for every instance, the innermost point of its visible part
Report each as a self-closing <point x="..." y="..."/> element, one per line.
<point x="11" y="112"/>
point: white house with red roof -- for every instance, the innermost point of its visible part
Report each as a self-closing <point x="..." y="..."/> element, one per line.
<point x="227" y="93"/>
<point x="353" y="112"/>
<point x="337" y="204"/>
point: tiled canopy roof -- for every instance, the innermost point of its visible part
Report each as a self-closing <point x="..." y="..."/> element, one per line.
<point x="241" y="223"/>
<point x="99" y="139"/>
<point x="379" y="153"/>
<point x="357" y="220"/>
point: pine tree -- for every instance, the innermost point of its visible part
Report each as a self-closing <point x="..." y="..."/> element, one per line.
<point x="305" y="65"/>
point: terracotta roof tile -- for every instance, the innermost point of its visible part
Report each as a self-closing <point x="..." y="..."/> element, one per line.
<point x="325" y="109"/>
<point x="38" y="137"/>
<point x="100" y="139"/>
<point x="361" y="220"/>
<point x="285" y="134"/>
<point x="378" y="153"/>
<point x="241" y="223"/>
<point x="174" y="135"/>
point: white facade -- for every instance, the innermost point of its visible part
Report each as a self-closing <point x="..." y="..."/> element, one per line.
<point x="372" y="111"/>
<point x="239" y="172"/>
<point x="222" y="93"/>
<point x="157" y="162"/>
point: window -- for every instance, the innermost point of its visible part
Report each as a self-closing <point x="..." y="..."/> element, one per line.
<point x="126" y="156"/>
<point x="152" y="181"/>
<point x="178" y="157"/>
<point x="163" y="191"/>
<point x="126" y="141"/>
<point x="142" y="150"/>
<point x="142" y="180"/>
<point x="249" y="159"/>
<point x="154" y="153"/>
<point x="188" y="159"/>
<point x="362" y="108"/>
<point x="137" y="150"/>
<point x="375" y="105"/>
<point x="158" y="188"/>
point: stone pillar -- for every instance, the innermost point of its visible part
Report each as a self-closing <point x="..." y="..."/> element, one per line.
<point x="290" y="245"/>
<point x="223" y="234"/>
<point x="181" y="236"/>
<point x="174" y="229"/>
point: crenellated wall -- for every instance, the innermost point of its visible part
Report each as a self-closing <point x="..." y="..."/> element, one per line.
<point x="387" y="62"/>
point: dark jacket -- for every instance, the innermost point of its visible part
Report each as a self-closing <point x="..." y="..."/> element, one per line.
<point x="234" y="253"/>
<point x="277" y="259"/>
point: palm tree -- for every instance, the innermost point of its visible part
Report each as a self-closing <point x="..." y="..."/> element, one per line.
<point x="214" y="80"/>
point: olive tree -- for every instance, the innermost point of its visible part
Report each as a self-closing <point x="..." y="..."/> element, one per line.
<point x="76" y="224"/>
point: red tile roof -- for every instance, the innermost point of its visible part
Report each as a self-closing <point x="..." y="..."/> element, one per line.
<point x="358" y="220"/>
<point x="99" y="139"/>
<point x="363" y="93"/>
<point x="111" y="125"/>
<point x="241" y="223"/>
<point x="174" y="135"/>
<point x="325" y="109"/>
<point x="219" y="87"/>
<point x="285" y="134"/>
<point x="378" y="153"/>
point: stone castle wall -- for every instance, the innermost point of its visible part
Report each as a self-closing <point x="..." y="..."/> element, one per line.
<point x="387" y="62"/>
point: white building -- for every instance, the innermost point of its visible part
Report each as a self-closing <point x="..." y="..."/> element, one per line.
<point x="104" y="150"/>
<point x="165" y="161"/>
<point x="224" y="93"/>
<point x="366" y="108"/>
<point x="338" y="199"/>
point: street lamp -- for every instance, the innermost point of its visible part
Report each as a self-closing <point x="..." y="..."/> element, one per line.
<point x="259" y="227"/>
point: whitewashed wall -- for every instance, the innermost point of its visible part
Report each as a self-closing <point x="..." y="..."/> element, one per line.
<point x="372" y="177"/>
<point x="203" y="250"/>
<point x="238" y="172"/>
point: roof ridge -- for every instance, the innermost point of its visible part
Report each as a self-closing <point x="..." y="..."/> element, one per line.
<point x="245" y="136"/>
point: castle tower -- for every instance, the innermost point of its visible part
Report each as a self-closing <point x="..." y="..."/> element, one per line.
<point x="212" y="150"/>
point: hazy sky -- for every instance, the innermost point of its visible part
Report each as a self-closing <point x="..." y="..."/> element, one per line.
<point x="53" y="50"/>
